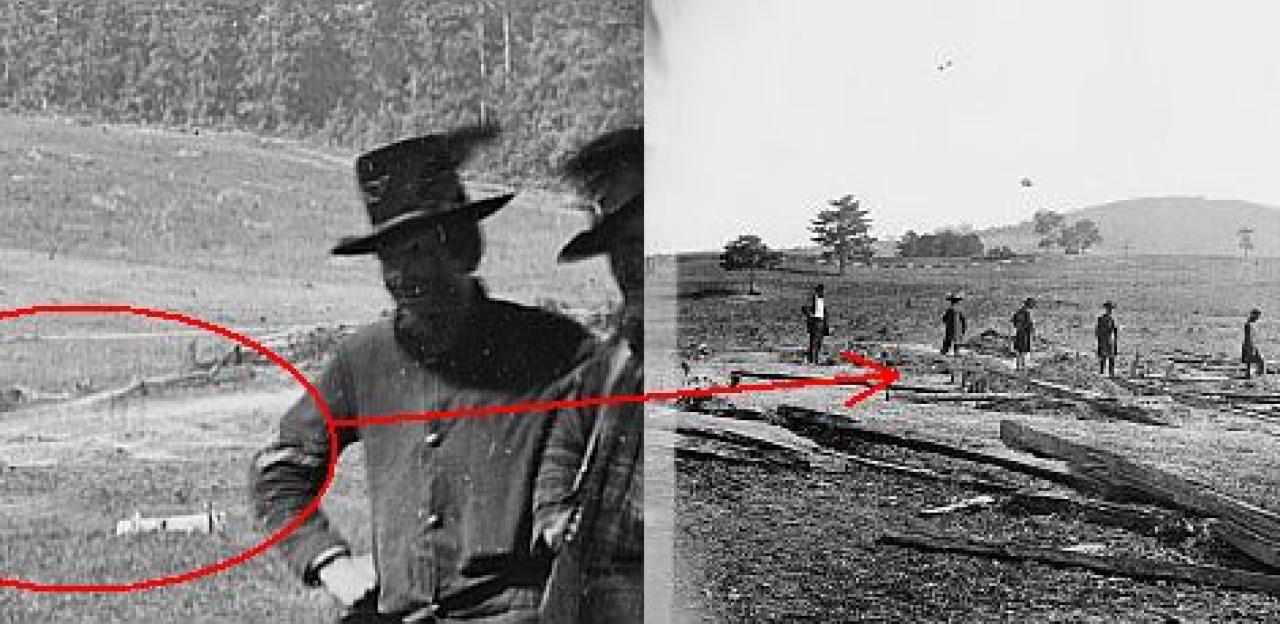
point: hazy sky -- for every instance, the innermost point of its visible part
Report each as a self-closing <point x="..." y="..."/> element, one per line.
<point x="757" y="111"/>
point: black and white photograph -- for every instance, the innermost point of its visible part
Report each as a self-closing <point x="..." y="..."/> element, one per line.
<point x="307" y="306"/>
<point x="993" y="287"/>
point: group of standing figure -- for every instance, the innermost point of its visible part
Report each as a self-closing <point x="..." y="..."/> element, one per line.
<point x="1106" y="332"/>
<point x="955" y="326"/>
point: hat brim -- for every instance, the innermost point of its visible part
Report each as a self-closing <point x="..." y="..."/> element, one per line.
<point x="598" y="239"/>
<point x="955" y="298"/>
<point x="369" y="243"/>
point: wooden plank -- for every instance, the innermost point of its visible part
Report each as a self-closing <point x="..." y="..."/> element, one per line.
<point x="1257" y="546"/>
<point x="758" y="435"/>
<point x="1156" y="484"/>
<point x="966" y="504"/>
<point x="737" y="375"/>
<point x="1104" y="405"/>
<point x="967" y="396"/>
<point x="924" y="473"/>
<point x="1131" y="567"/>
<point x="801" y="419"/>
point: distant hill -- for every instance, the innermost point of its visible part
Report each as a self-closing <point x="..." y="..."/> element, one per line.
<point x="1164" y="225"/>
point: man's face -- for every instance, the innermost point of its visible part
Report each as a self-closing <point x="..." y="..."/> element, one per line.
<point x="626" y="257"/>
<point x="421" y="275"/>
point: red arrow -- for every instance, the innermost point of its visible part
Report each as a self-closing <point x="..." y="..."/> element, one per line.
<point x="880" y="378"/>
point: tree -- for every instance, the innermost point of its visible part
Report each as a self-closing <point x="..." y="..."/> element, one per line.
<point x="1080" y="236"/>
<point x="842" y="231"/>
<point x="1048" y="224"/>
<point x="750" y="253"/>
<point x="1000" y="253"/>
<point x="944" y="244"/>
<point x="1055" y="232"/>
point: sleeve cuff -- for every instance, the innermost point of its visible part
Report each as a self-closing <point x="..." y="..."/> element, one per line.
<point x="311" y="575"/>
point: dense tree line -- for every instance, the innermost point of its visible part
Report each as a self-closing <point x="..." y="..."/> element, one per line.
<point x="349" y="74"/>
<point x="1073" y="238"/>
<point x="944" y="244"/>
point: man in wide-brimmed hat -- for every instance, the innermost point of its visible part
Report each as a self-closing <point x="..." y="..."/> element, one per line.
<point x="1108" y="335"/>
<point x="451" y="498"/>
<point x="1023" y="329"/>
<point x="954" y="325"/>
<point x="589" y="497"/>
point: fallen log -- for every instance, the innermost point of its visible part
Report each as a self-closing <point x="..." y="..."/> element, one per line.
<point x="1154" y="484"/>
<point x="834" y="427"/>
<point x="1243" y="397"/>
<point x="1132" y="567"/>
<point x="764" y="436"/>
<point x="1104" y="405"/>
<point x="736" y="376"/>
<point x="710" y="449"/>
<point x="1143" y="520"/>
<point x="1253" y="544"/>
<point x="968" y="396"/>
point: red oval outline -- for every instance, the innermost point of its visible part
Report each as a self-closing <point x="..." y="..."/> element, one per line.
<point x="230" y="562"/>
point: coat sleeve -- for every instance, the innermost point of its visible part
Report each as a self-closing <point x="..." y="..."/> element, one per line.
<point x="561" y="460"/>
<point x="286" y="475"/>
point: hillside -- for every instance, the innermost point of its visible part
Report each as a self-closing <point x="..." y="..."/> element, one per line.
<point x="342" y="74"/>
<point x="1165" y="226"/>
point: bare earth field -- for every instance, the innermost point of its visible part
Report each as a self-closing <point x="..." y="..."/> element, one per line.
<point x="778" y="543"/>
<point x="227" y="228"/>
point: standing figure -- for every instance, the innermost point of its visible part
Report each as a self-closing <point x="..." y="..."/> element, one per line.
<point x="451" y="498"/>
<point x="589" y="497"/>
<point x="1249" y="353"/>
<point x="954" y="325"/>
<point x="1023" y="329"/>
<point x="815" y="313"/>
<point x="1108" y="336"/>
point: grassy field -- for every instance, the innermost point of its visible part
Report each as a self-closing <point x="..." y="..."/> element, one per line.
<point x="780" y="544"/>
<point x="227" y="228"/>
<point x="1194" y="303"/>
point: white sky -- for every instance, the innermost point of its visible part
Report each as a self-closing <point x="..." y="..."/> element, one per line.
<point x="758" y="111"/>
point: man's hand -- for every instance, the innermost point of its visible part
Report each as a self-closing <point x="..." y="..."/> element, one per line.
<point x="349" y="578"/>
<point x="560" y="528"/>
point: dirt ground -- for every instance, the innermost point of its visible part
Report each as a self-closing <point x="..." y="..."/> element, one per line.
<point x="775" y="543"/>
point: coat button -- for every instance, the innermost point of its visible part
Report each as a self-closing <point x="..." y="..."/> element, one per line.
<point x="432" y="439"/>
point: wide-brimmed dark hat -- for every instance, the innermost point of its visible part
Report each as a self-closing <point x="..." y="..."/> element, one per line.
<point x="415" y="182"/>
<point x="1029" y="302"/>
<point x="1108" y="304"/>
<point x="955" y="297"/>
<point x="610" y="169"/>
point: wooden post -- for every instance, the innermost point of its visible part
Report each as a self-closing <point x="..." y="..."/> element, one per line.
<point x="506" y="41"/>
<point x="480" y="37"/>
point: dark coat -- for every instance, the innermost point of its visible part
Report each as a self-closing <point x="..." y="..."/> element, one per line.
<point x="451" y="498"/>
<point x="617" y="533"/>
<point x="1023" y="327"/>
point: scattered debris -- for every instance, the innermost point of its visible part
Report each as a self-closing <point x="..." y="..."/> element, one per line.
<point x="833" y="427"/>
<point x="1113" y="566"/>
<point x="209" y="521"/>
<point x="966" y="504"/>
<point x="1259" y="534"/>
